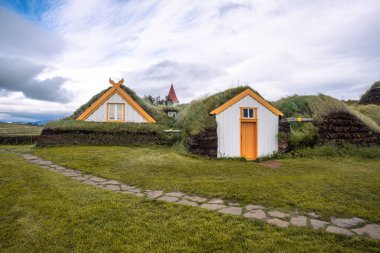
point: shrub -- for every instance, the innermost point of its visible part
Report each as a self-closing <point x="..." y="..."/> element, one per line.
<point x="303" y="136"/>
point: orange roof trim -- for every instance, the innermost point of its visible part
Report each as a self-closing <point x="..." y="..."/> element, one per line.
<point x="247" y="92"/>
<point x="116" y="89"/>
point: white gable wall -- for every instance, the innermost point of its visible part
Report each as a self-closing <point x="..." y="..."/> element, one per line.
<point x="228" y="129"/>
<point x="131" y="115"/>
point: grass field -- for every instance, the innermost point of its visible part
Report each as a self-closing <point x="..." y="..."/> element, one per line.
<point x="7" y="129"/>
<point x="42" y="211"/>
<point x="331" y="186"/>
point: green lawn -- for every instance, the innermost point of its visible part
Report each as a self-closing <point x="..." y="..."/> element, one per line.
<point x="331" y="186"/>
<point x="42" y="211"/>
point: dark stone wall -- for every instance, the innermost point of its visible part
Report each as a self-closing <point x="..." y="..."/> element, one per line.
<point x="205" y="143"/>
<point x="283" y="135"/>
<point x="343" y="127"/>
<point x="57" y="137"/>
<point x="20" y="139"/>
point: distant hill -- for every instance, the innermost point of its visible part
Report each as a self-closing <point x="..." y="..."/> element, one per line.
<point x="372" y="95"/>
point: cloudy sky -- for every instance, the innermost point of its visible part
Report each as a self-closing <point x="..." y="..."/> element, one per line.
<point x="55" y="55"/>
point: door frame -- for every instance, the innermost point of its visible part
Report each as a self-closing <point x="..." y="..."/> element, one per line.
<point x="249" y="120"/>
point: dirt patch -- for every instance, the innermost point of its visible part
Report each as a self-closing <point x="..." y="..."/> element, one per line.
<point x="271" y="164"/>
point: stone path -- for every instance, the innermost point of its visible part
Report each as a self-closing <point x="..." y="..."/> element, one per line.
<point x="343" y="226"/>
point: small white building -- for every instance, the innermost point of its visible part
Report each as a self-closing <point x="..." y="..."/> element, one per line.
<point x="247" y="126"/>
<point x="116" y="105"/>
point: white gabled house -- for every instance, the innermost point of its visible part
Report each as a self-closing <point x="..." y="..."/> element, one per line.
<point x="116" y="105"/>
<point x="247" y="126"/>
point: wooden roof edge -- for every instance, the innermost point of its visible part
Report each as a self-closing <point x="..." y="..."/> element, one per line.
<point x="240" y="96"/>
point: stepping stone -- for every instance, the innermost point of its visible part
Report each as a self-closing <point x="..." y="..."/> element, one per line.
<point x="110" y="182"/>
<point x="168" y="198"/>
<point x="98" y="179"/>
<point x="80" y="178"/>
<point x="317" y="224"/>
<point x="175" y="194"/>
<point x="231" y="210"/>
<point x="195" y="198"/>
<point x="278" y="214"/>
<point x="256" y="214"/>
<point x="278" y="222"/>
<point x="313" y="214"/>
<point x="30" y="157"/>
<point x="135" y="190"/>
<point x="154" y="194"/>
<point x="45" y="162"/>
<point x="216" y="201"/>
<point x="112" y="187"/>
<point x="299" y="221"/>
<point x="337" y="230"/>
<point x="372" y="230"/>
<point x="346" y="223"/>
<point x="187" y="202"/>
<point x="125" y="187"/>
<point x="233" y="204"/>
<point x="90" y="182"/>
<point x="213" y="206"/>
<point x="71" y="174"/>
<point x="251" y="207"/>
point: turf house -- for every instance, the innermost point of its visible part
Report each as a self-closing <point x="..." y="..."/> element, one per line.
<point x="114" y="105"/>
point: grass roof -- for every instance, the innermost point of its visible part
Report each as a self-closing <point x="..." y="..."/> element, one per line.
<point x="323" y="105"/>
<point x="195" y="117"/>
<point x="158" y="115"/>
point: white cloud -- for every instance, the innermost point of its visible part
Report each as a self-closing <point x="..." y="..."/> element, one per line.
<point x="279" y="47"/>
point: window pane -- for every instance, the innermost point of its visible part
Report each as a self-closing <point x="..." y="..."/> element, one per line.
<point x="111" y="112"/>
<point x="119" y="115"/>
<point x="245" y="113"/>
<point x="250" y="113"/>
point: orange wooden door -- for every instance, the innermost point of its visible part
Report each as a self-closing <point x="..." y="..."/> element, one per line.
<point x="248" y="146"/>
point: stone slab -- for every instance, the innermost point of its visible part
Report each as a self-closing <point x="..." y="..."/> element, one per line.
<point x="278" y="222"/>
<point x="313" y="215"/>
<point x="195" y="199"/>
<point x="278" y="214"/>
<point x="110" y="182"/>
<point x="30" y="157"/>
<point x="299" y="221"/>
<point x="317" y="224"/>
<point x="112" y="187"/>
<point x="168" y="198"/>
<point x="346" y="223"/>
<point x="216" y="201"/>
<point x="338" y="230"/>
<point x="125" y="187"/>
<point x="98" y="179"/>
<point x="42" y="162"/>
<point x="372" y="230"/>
<point x="90" y="182"/>
<point x="154" y="194"/>
<point x="175" y="194"/>
<point x="188" y="202"/>
<point x="252" y="207"/>
<point x="213" y="206"/>
<point x="256" y="214"/>
<point x="231" y="210"/>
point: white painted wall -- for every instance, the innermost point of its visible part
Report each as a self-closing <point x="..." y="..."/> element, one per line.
<point x="100" y="114"/>
<point x="228" y="129"/>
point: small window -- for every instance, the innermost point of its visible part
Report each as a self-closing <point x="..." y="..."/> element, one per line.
<point x="115" y="112"/>
<point x="248" y="113"/>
